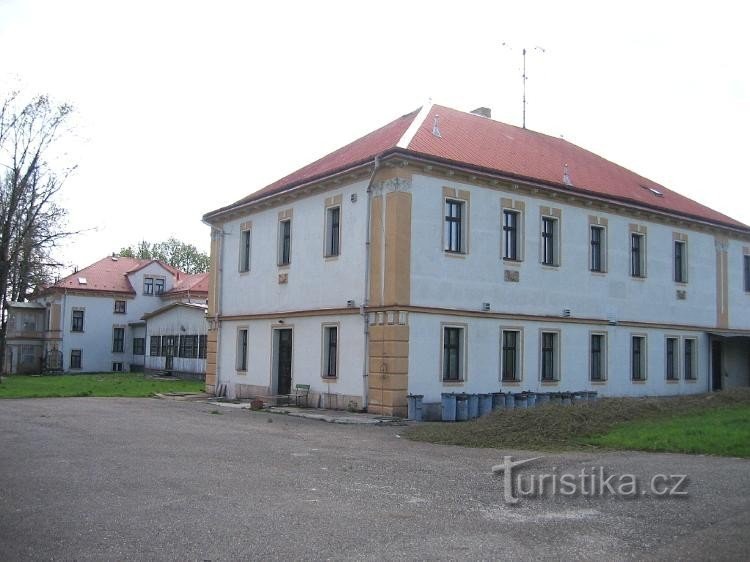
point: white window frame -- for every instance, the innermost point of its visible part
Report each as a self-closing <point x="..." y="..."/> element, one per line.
<point x="602" y="248"/>
<point x="555" y="244"/>
<point x="241" y="354"/>
<point x="676" y="366"/>
<point x="693" y="359"/>
<point x="684" y="259"/>
<point x="330" y="251"/>
<point x="284" y="261"/>
<point x="556" y="342"/>
<point x="643" y="351"/>
<point x="519" y="355"/>
<point x="325" y="351"/>
<point x="462" y="352"/>
<point x="641" y="274"/>
<point x="602" y="355"/>
<point x="246" y="241"/>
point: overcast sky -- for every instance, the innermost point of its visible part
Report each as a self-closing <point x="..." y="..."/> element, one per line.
<point x="183" y="107"/>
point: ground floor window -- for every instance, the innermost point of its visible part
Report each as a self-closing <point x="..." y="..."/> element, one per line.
<point x="511" y="371"/>
<point x="453" y="350"/>
<point x="155" y="346"/>
<point x="638" y="358"/>
<point x="549" y="364"/>
<point x="139" y="346"/>
<point x="689" y="359"/>
<point x="242" y="349"/>
<point x="75" y="358"/>
<point x="188" y="347"/>
<point x="671" y="359"/>
<point x="118" y="340"/>
<point x="117" y="367"/>
<point x="330" y="351"/>
<point x="598" y="359"/>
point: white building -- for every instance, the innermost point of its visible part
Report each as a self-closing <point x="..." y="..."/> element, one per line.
<point x="93" y="320"/>
<point x="447" y="252"/>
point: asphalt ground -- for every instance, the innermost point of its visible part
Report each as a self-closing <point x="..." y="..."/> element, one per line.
<point x="146" y="479"/>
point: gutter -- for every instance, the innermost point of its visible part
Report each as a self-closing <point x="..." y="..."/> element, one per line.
<point x="365" y="298"/>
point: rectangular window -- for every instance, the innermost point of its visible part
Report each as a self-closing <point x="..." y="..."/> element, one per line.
<point x="454" y="226"/>
<point x="597" y="371"/>
<point x="118" y="340"/>
<point x="637" y="255"/>
<point x="689" y="359"/>
<point x="333" y="231"/>
<point x="139" y="346"/>
<point x="638" y="358"/>
<point x="285" y="242"/>
<point x="680" y="261"/>
<point x="511" y="356"/>
<point x="746" y="267"/>
<point x="452" y="354"/>
<point x="511" y="239"/>
<point x="202" y="341"/>
<point x="117" y="367"/>
<point x="549" y="356"/>
<point x="155" y="346"/>
<point x="158" y="286"/>
<point x="549" y="241"/>
<point x="597" y="249"/>
<point x="148" y="285"/>
<point x="330" y="351"/>
<point x="75" y="358"/>
<point x="168" y="346"/>
<point x="120" y="307"/>
<point x="671" y="359"/>
<point x="188" y="347"/>
<point x="245" y="250"/>
<point x="242" y="350"/>
<point x="77" y="321"/>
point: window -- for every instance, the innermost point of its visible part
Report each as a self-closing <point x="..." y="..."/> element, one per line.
<point x="120" y="307"/>
<point x="598" y="358"/>
<point x="77" y="321"/>
<point x="333" y="231"/>
<point x="597" y="249"/>
<point x="689" y="362"/>
<point x="511" y="356"/>
<point x="638" y="358"/>
<point x="75" y="359"/>
<point x="148" y="285"/>
<point x="549" y="357"/>
<point x="637" y="255"/>
<point x="285" y="242"/>
<point x="139" y="346"/>
<point x="28" y="354"/>
<point x="158" y="285"/>
<point x="117" y="367"/>
<point x="549" y="241"/>
<point x="454" y="239"/>
<point x="511" y="240"/>
<point x="671" y="359"/>
<point x="188" y="347"/>
<point x="746" y="264"/>
<point x="168" y="346"/>
<point x="155" y="346"/>
<point x="118" y="340"/>
<point x="452" y="354"/>
<point x="330" y="351"/>
<point x="202" y="340"/>
<point x="680" y="261"/>
<point x="245" y="250"/>
<point x="242" y="350"/>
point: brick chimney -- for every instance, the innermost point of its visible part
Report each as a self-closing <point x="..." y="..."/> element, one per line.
<point x="483" y="112"/>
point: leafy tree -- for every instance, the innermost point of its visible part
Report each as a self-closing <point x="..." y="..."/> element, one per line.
<point x="181" y="255"/>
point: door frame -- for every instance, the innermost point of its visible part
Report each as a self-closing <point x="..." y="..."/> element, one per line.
<point x="274" y="382"/>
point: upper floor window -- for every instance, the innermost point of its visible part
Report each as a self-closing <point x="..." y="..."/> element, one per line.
<point x="120" y="307"/>
<point x="454" y="225"/>
<point x="596" y="261"/>
<point x="118" y="340"/>
<point x="245" y="250"/>
<point x="549" y="364"/>
<point x="453" y="350"/>
<point x="680" y="261"/>
<point x="746" y="267"/>
<point x="671" y="359"/>
<point x="549" y="241"/>
<point x="511" y="235"/>
<point x="333" y="231"/>
<point x="637" y="255"/>
<point x="148" y="285"/>
<point x="638" y="358"/>
<point x="158" y="285"/>
<point x="77" y="325"/>
<point x="330" y="351"/>
<point x="285" y="242"/>
<point x="511" y="371"/>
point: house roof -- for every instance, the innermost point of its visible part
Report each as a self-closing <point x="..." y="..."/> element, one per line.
<point x="169" y="307"/>
<point x="197" y="283"/>
<point x="489" y="146"/>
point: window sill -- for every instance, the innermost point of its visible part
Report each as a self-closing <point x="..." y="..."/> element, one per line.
<point x="240" y="372"/>
<point x="599" y="383"/>
<point x="691" y="381"/>
<point x="638" y="277"/>
<point x="329" y="379"/>
<point x="550" y="383"/>
<point x="283" y="265"/>
<point x="510" y="383"/>
<point x="243" y="272"/>
<point x="452" y="383"/>
<point x="551" y="266"/>
<point x="331" y="258"/>
<point x="673" y="381"/>
<point x="598" y="273"/>
<point x="639" y="381"/>
<point x="512" y="262"/>
<point x="449" y="254"/>
<point x="681" y="283"/>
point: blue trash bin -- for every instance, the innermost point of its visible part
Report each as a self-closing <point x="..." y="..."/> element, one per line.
<point x="521" y="400"/>
<point x="592" y="396"/>
<point x="410" y="407"/>
<point x="485" y="404"/>
<point x="542" y="398"/>
<point x="473" y="406"/>
<point x="462" y="407"/>
<point x="448" y="401"/>
<point x="510" y="402"/>
<point x="531" y="399"/>
<point x="566" y="399"/>
<point x="498" y="400"/>
<point x="555" y="398"/>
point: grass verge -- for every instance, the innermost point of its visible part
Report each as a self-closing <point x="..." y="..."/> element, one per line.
<point x="552" y="427"/>
<point x="101" y="384"/>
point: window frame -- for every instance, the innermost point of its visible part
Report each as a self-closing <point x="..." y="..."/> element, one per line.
<point x="284" y="255"/>
<point x="148" y="285"/>
<point x="549" y="252"/>
<point x="160" y="286"/>
<point x="74" y="323"/>
<point x="80" y="359"/>
<point x="139" y="344"/>
<point x="691" y="376"/>
<point x="451" y="246"/>
<point x="602" y="351"/>
<point x="241" y="349"/>
<point x="461" y="330"/>
<point x="746" y="271"/>
<point x="330" y="351"/>
<point x="512" y="235"/>
<point x="118" y="367"/>
<point x="517" y="355"/>
<point x="637" y="255"/>
<point x="642" y="358"/>
<point x="118" y="340"/>
<point x="680" y="270"/>
<point x="601" y="249"/>
<point x="121" y="309"/>
<point x="674" y="374"/>
<point x="154" y="350"/>
<point x="545" y="353"/>
<point x="245" y="249"/>
<point x="333" y="231"/>
<point x="202" y="346"/>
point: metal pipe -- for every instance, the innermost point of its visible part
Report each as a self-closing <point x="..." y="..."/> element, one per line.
<point x="365" y="298"/>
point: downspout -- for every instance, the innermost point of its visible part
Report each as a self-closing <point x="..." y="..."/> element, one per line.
<point x="365" y="299"/>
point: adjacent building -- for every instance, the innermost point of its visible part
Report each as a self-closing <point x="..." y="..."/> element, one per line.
<point x="97" y="320"/>
<point x="448" y="252"/>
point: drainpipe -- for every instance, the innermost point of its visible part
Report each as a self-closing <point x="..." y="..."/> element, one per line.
<point x="365" y="299"/>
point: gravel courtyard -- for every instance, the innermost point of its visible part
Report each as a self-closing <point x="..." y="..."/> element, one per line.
<point x="145" y="479"/>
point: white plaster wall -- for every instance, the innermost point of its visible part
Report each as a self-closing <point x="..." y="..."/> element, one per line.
<point x="483" y="358"/>
<point x="142" y="304"/>
<point x="314" y="281"/>
<point x="440" y="280"/>
<point x="739" y="300"/>
<point x="307" y="349"/>
<point x="178" y="321"/>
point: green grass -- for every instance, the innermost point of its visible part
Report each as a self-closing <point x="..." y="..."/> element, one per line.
<point x="553" y="427"/>
<point x="724" y="432"/>
<point x="101" y="384"/>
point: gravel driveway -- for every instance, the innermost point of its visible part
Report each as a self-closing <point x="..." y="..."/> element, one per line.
<point x="130" y="479"/>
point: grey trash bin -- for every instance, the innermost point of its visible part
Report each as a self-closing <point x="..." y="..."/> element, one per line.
<point x="521" y="400"/>
<point x="462" y="407"/>
<point x="485" y="404"/>
<point x="498" y="400"/>
<point x="448" y="401"/>
<point x="414" y="406"/>
<point x="510" y="402"/>
<point x="473" y="406"/>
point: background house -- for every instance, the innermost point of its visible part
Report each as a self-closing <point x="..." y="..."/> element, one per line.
<point x="447" y="252"/>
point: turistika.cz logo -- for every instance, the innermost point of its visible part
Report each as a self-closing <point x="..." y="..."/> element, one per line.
<point x="589" y="481"/>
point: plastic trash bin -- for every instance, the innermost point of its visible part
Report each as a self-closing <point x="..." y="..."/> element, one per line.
<point x="485" y="404"/>
<point x="448" y="403"/>
<point x="462" y="407"/>
<point x="473" y="406"/>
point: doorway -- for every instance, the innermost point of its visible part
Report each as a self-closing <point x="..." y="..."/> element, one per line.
<point x="283" y="355"/>
<point x="716" y="366"/>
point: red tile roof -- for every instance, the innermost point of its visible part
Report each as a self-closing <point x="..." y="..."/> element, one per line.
<point x="196" y="284"/>
<point x="486" y="145"/>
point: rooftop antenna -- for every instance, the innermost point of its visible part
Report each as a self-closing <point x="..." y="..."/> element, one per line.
<point x="523" y="74"/>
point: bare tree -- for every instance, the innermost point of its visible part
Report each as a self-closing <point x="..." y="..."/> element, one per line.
<point x="31" y="222"/>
